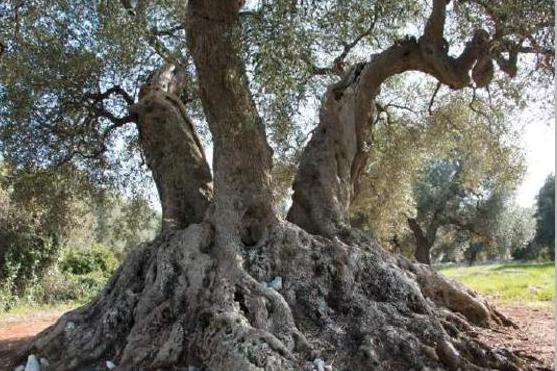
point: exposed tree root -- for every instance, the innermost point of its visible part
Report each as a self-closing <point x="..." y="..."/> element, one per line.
<point x="339" y="304"/>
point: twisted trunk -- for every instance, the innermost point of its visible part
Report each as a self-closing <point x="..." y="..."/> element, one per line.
<point x="424" y="241"/>
<point x="172" y="150"/>
<point x="328" y="177"/>
<point x="242" y="157"/>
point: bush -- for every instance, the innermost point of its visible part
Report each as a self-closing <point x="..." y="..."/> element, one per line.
<point x="25" y="257"/>
<point x="78" y="276"/>
<point x="97" y="258"/>
<point x="57" y="287"/>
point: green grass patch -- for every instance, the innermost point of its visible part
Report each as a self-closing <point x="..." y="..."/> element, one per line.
<point x="38" y="308"/>
<point x="508" y="282"/>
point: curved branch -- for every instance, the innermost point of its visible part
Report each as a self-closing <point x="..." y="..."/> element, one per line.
<point x="172" y="149"/>
<point x="328" y="177"/>
<point x="116" y="89"/>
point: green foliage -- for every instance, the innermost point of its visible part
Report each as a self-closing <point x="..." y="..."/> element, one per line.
<point x="449" y="168"/>
<point x="24" y="252"/>
<point x="77" y="276"/>
<point x="48" y="227"/>
<point x="545" y="217"/>
<point x="96" y="258"/>
<point x="508" y="282"/>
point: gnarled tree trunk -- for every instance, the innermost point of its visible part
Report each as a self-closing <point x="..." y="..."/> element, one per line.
<point x="424" y="242"/>
<point x="172" y="149"/>
<point x="244" y="291"/>
<point x="331" y="164"/>
<point x="299" y="302"/>
<point x="242" y="156"/>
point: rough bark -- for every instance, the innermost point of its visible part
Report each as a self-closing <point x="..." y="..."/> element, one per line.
<point x="331" y="164"/>
<point x="172" y="149"/>
<point x="175" y="304"/>
<point x="242" y="156"/>
<point x="423" y="243"/>
<point x="287" y="300"/>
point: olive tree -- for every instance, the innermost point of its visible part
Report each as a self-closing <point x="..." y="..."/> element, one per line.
<point x="229" y="285"/>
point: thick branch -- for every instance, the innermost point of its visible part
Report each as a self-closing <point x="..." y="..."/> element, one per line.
<point x="172" y="149"/>
<point x="328" y="177"/>
<point x="423" y="243"/>
<point x="242" y="156"/>
<point x="435" y="25"/>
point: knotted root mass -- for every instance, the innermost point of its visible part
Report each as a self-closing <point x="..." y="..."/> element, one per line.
<point x="292" y="302"/>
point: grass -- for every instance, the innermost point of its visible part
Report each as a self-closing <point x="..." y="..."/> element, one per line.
<point x="38" y="308"/>
<point x="510" y="282"/>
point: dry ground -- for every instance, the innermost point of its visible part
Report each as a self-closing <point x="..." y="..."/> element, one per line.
<point x="533" y="339"/>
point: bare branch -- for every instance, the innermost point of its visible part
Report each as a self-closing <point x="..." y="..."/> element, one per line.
<point x="116" y="89"/>
<point x="168" y="31"/>
<point x="432" y="100"/>
<point x="338" y="65"/>
<point x="117" y="121"/>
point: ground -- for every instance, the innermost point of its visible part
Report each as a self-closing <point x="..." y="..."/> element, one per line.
<point x="518" y="294"/>
<point x="525" y="293"/>
<point x="18" y="328"/>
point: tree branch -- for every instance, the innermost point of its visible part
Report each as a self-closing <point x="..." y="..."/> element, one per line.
<point x="116" y="89"/>
<point x="432" y="100"/>
<point x="152" y="35"/>
<point x="338" y="67"/>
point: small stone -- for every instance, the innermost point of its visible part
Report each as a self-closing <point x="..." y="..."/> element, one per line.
<point x="70" y="326"/>
<point x="319" y="364"/>
<point x="110" y="365"/>
<point x="32" y="363"/>
<point x="276" y="283"/>
<point x="20" y="368"/>
<point x="328" y="368"/>
<point x="44" y="364"/>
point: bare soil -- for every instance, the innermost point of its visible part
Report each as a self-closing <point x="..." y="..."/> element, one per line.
<point x="534" y="337"/>
<point x="18" y="330"/>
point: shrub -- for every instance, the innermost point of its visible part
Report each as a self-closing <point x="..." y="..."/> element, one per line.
<point x="78" y="276"/>
<point x="58" y="287"/>
<point x="97" y="258"/>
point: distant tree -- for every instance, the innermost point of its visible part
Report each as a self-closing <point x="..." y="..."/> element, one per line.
<point x="24" y="252"/>
<point x="124" y="222"/>
<point x="451" y="171"/>
<point x="41" y="212"/>
<point x="454" y="193"/>
<point x="403" y="149"/>
<point x="514" y="231"/>
<point x="545" y="217"/>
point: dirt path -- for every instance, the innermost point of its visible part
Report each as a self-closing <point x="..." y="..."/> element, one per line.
<point x="18" y="329"/>
<point x="533" y="339"/>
